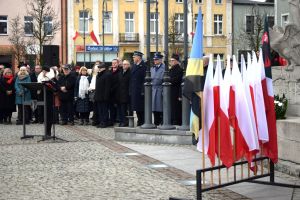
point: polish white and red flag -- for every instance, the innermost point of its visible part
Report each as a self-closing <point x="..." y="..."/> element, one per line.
<point x="246" y="141"/>
<point x="209" y="113"/>
<point x="94" y="37"/>
<point x="75" y="35"/>
<point x="270" y="148"/>
<point x="220" y="141"/>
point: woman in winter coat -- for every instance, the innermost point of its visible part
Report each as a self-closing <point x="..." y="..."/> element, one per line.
<point x="7" y="95"/>
<point x="22" y="77"/>
<point x="83" y="105"/>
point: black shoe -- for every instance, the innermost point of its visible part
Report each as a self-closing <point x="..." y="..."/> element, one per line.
<point x="95" y="123"/>
<point x="35" y="121"/>
<point x="123" y="125"/>
<point x="72" y="123"/>
<point x="19" y="122"/>
<point x="64" y="123"/>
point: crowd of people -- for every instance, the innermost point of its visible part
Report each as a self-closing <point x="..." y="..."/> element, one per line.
<point x="104" y="94"/>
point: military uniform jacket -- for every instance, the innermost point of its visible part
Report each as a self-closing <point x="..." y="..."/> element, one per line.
<point x="136" y="88"/>
<point x="157" y="74"/>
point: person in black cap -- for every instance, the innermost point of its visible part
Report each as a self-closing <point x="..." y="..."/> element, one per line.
<point x="175" y="73"/>
<point x="136" y="88"/>
<point x="66" y="83"/>
<point x="157" y="73"/>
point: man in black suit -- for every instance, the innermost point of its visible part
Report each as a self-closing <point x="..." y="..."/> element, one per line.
<point x="136" y="89"/>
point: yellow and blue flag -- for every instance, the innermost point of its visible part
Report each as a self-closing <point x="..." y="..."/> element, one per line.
<point x="193" y="85"/>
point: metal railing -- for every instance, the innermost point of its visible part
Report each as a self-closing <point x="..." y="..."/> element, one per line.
<point x="129" y="37"/>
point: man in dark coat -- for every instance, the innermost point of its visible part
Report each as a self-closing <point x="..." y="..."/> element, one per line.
<point x="112" y="107"/>
<point x="66" y="83"/>
<point x="136" y="89"/>
<point x="38" y="113"/>
<point x="102" y="95"/>
<point x="176" y="73"/>
<point x="123" y="92"/>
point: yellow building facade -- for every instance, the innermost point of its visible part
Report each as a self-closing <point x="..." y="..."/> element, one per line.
<point x="125" y="27"/>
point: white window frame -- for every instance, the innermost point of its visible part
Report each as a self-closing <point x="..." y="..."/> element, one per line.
<point x="108" y="24"/>
<point x="218" y="2"/>
<point x="284" y="23"/>
<point x="199" y="1"/>
<point x="179" y="1"/>
<point x="47" y="22"/>
<point x="130" y="22"/>
<point x="218" y="22"/>
<point x="178" y="22"/>
<point x="195" y="22"/>
<point x="153" y="22"/>
<point x="26" y="21"/>
<point x="81" y="21"/>
<point x="4" y="21"/>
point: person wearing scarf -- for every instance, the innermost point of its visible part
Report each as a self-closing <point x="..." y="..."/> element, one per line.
<point x="22" y="77"/>
<point x="83" y="105"/>
<point x="7" y="96"/>
<point x="92" y="94"/>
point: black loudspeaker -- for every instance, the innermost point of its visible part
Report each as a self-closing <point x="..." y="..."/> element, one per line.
<point x="51" y="55"/>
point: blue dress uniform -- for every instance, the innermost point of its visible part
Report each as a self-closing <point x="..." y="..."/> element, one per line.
<point x="136" y="88"/>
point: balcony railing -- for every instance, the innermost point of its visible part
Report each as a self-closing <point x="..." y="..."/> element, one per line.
<point x="153" y="39"/>
<point x="129" y="37"/>
<point x="176" y="38"/>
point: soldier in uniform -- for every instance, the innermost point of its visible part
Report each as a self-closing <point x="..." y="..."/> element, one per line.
<point x="136" y="88"/>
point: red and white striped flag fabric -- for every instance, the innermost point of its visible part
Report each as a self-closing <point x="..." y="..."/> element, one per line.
<point x="208" y="104"/>
<point x="245" y="136"/>
<point x="75" y="35"/>
<point x="270" y="148"/>
<point x="220" y="142"/>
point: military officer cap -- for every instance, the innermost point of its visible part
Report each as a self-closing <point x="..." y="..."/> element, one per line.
<point x="157" y="56"/>
<point x="138" y="53"/>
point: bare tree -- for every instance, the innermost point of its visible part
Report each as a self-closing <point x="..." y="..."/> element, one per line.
<point x="45" y="22"/>
<point x="251" y="37"/>
<point x="175" y="37"/>
<point x="17" y="39"/>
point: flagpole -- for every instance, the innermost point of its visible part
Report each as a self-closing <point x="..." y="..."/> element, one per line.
<point x="202" y="125"/>
<point x="219" y="148"/>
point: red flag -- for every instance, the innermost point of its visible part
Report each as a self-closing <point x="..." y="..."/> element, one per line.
<point x="221" y="100"/>
<point x="93" y="37"/>
<point x="270" y="148"/>
<point x="76" y="34"/>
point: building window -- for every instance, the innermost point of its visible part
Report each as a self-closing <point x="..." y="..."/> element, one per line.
<point x="108" y="22"/>
<point x="48" y="24"/>
<point x="28" y="25"/>
<point x="153" y="22"/>
<point x="198" y="1"/>
<point x="129" y="22"/>
<point x="178" y="23"/>
<point x="284" y="20"/>
<point x="3" y="24"/>
<point x="271" y="20"/>
<point x="195" y="22"/>
<point x="179" y="1"/>
<point x="218" y="1"/>
<point x="218" y="24"/>
<point x="250" y="24"/>
<point x="83" y="19"/>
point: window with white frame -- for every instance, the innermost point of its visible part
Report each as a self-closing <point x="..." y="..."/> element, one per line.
<point x="83" y="21"/>
<point x="48" y="24"/>
<point x="218" y="23"/>
<point x="195" y="21"/>
<point x="153" y="22"/>
<point x="28" y="25"/>
<point x="129" y="22"/>
<point x="218" y="1"/>
<point x="3" y="25"/>
<point x="198" y="1"/>
<point x="108" y="22"/>
<point x="250" y="24"/>
<point x="179" y="23"/>
<point x="179" y="1"/>
<point x="284" y="19"/>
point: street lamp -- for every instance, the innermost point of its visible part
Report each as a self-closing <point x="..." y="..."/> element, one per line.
<point x="105" y="15"/>
<point x="85" y="11"/>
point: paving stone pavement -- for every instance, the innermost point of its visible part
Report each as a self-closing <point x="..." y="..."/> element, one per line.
<point x="87" y="165"/>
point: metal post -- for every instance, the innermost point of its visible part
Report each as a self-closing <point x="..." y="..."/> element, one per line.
<point x="199" y="185"/>
<point x="166" y="84"/>
<point x="186" y="107"/>
<point x="103" y="12"/>
<point x="148" y="86"/>
<point x="84" y="22"/>
<point x="156" y="25"/>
